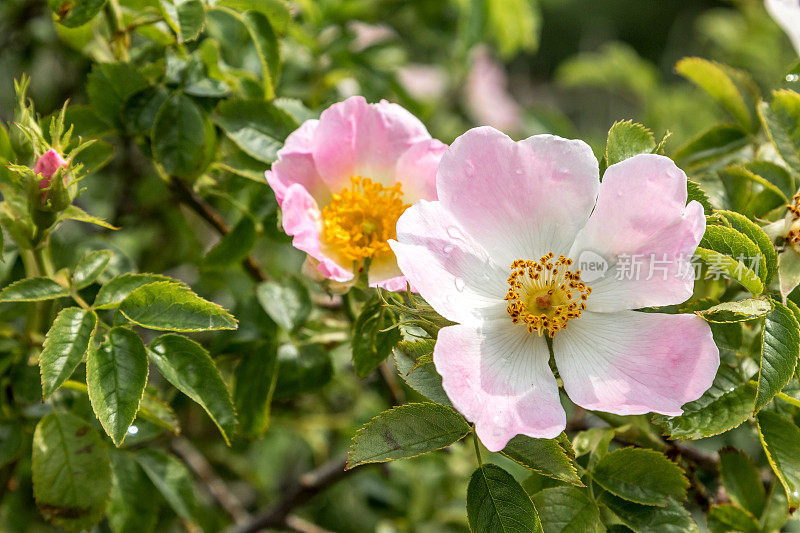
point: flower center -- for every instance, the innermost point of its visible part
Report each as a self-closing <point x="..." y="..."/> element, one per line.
<point x="360" y="219"/>
<point x="545" y="295"/>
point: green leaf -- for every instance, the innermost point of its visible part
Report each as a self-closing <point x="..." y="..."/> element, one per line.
<point x="496" y="502"/>
<point x="781" y="441"/>
<point x="568" y="510"/>
<point x="233" y="247"/>
<point x="730" y="252"/>
<point x="712" y="144"/>
<point x="187" y="365"/>
<point x="71" y="471"/>
<point x="738" y="311"/>
<point x="65" y="346"/>
<point x="627" y="139"/>
<point x="545" y="456"/>
<point x="258" y="128"/>
<point x="140" y="111"/>
<point x="33" y="289"/>
<point x="672" y="518"/>
<point x="276" y="10"/>
<point x="775" y="174"/>
<point x="724" y="518"/>
<point x="788" y="270"/>
<point x="406" y="431"/>
<point x="171" y="306"/>
<point x="159" y="413"/>
<point x="10" y="441"/>
<point x="781" y="120"/>
<point x="696" y="193"/>
<point x="374" y="336"/>
<point x="722" y="407"/>
<point x="301" y="369"/>
<point x="721" y="83"/>
<point x="172" y="480"/>
<point x="741" y="480"/>
<point x="256" y="378"/>
<point x="780" y="346"/>
<point x="267" y="48"/>
<point x="134" y="504"/>
<point x="74" y="212"/>
<point x="90" y="267"/>
<point x="109" y="86"/>
<point x="756" y="234"/>
<point x="116" y="290"/>
<point x="116" y="374"/>
<point x="423" y="378"/>
<point x="181" y="137"/>
<point x="287" y="303"/>
<point x="191" y="19"/>
<point x="750" y="193"/>
<point x="74" y="13"/>
<point x="641" y="476"/>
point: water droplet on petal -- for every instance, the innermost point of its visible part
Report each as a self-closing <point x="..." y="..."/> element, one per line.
<point x="518" y="171"/>
<point x="460" y="284"/>
<point x="447" y="249"/>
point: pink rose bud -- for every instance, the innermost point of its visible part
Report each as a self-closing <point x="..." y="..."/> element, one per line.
<point x="47" y="165"/>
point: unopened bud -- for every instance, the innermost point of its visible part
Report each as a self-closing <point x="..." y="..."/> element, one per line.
<point x="47" y="165"/>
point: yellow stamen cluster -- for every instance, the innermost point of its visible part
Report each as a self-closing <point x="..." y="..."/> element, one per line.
<point x="544" y="295"/>
<point x="793" y="236"/>
<point x="360" y="219"/>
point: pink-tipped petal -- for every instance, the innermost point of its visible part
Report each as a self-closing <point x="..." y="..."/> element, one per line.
<point x="498" y="377"/>
<point x="632" y="363"/>
<point x="416" y="169"/>
<point x="448" y="268"/>
<point x="645" y="231"/>
<point x="519" y="200"/>
<point x="301" y="219"/>
<point x="356" y="138"/>
<point x="295" y="164"/>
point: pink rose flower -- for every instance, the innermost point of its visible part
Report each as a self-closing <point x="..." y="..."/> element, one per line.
<point x="343" y="181"/>
<point x="498" y="254"/>
<point x="47" y="165"/>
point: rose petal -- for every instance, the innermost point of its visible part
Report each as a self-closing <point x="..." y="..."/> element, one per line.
<point x="519" y="200"/>
<point x="787" y="14"/>
<point x="645" y="231"/>
<point x="632" y="363"/>
<point x="449" y="269"/>
<point x="497" y="375"/>
<point x="295" y="164"/>
<point x="416" y="170"/>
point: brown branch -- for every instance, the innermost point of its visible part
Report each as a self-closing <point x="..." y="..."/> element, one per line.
<point x="193" y="201"/>
<point x="295" y="523"/>
<point x="308" y="485"/>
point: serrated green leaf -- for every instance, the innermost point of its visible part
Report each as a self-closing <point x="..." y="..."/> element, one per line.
<point x="233" y="247"/>
<point x="256" y="379"/>
<point x="775" y="174"/>
<point x="374" y="336"/>
<point x="724" y="406"/>
<point x="74" y="13"/>
<point x="422" y="378"/>
<point x="287" y="303"/>
<point x="171" y="306"/>
<point x="134" y="504"/>
<point x="754" y="232"/>
<point x="90" y="267"/>
<point x="781" y="120"/>
<point x="780" y="346"/>
<point x="545" y="456"/>
<point x="749" y="193"/>
<point x="180" y="137"/>
<point x="696" y="193"/>
<point x="71" y="471"/>
<point x="112" y="293"/>
<point x="33" y="289"/>
<point x="712" y="144"/>
<point x="65" y="346"/>
<point x="259" y="128"/>
<point x="267" y="48"/>
<point x="672" y="518"/>
<point x="627" y="139"/>
<point x="741" y="480"/>
<point x="406" y="431"/>
<point x="159" y="413"/>
<point x="567" y="510"/>
<point x="719" y="82"/>
<point x="730" y="252"/>
<point x="725" y="518"/>
<point x="496" y="502"/>
<point x="301" y="369"/>
<point x="191" y="17"/>
<point x="173" y="481"/>
<point x="641" y="476"/>
<point x="738" y="311"/>
<point x="116" y="375"/>
<point x="109" y="86"/>
<point x="781" y="441"/>
<point x="189" y="368"/>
